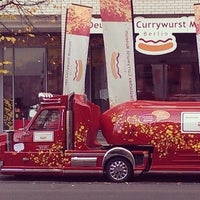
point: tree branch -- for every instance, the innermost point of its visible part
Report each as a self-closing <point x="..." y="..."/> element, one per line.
<point x="6" y="3"/>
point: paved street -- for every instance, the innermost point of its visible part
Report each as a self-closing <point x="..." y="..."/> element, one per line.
<point x="150" y="187"/>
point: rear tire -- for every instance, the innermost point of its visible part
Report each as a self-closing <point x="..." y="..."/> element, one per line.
<point x="119" y="169"/>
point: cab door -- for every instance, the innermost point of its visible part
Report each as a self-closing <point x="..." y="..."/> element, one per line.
<point x="43" y="142"/>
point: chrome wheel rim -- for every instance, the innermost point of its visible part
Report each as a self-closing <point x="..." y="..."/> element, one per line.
<point x="118" y="170"/>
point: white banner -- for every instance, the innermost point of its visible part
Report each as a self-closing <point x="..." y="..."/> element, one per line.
<point x="78" y="20"/>
<point x="117" y="26"/>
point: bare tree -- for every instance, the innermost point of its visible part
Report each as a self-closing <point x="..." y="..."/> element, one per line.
<point x="25" y="12"/>
<point x="23" y="9"/>
<point x="20" y="4"/>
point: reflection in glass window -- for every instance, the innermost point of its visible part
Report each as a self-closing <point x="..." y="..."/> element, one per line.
<point x="27" y="78"/>
<point x="47" y="120"/>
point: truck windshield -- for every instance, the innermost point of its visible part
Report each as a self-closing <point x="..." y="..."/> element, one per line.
<point x="47" y="120"/>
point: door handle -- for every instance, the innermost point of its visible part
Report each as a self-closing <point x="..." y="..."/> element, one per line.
<point x="25" y="159"/>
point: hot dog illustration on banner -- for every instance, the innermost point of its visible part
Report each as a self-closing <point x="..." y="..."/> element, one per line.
<point x="117" y="26"/>
<point x="114" y="64"/>
<point x="78" y="20"/>
<point x="155" y="45"/>
<point x="78" y="71"/>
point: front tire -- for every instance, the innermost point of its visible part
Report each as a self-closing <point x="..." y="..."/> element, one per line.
<point x="119" y="169"/>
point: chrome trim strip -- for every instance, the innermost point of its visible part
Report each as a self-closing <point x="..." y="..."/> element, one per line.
<point x="17" y="170"/>
<point x="83" y="171"/>
<point x="6" y="170"/>
<point x="83" y="161"/>
<point x="46" y="101"/>
<point x="76" y="171"/>
<point x="168" y="106"/>
<point x="173" y="172"/>
<point x="86" y="154"/>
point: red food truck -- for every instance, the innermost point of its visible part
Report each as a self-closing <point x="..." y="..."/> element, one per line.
<point x="142" y="136"/>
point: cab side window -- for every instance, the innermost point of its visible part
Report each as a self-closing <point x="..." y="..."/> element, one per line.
<point x="47" y="120"/>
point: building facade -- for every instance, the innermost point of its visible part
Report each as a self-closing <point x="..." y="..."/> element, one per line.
<point x="35" y="58"/>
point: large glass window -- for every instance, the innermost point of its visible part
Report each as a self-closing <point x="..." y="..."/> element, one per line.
<point x="30" y="75"/>
<point x="26" y="79"/>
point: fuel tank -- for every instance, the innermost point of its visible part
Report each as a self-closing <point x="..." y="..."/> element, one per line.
<point x="154" y="123"/>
